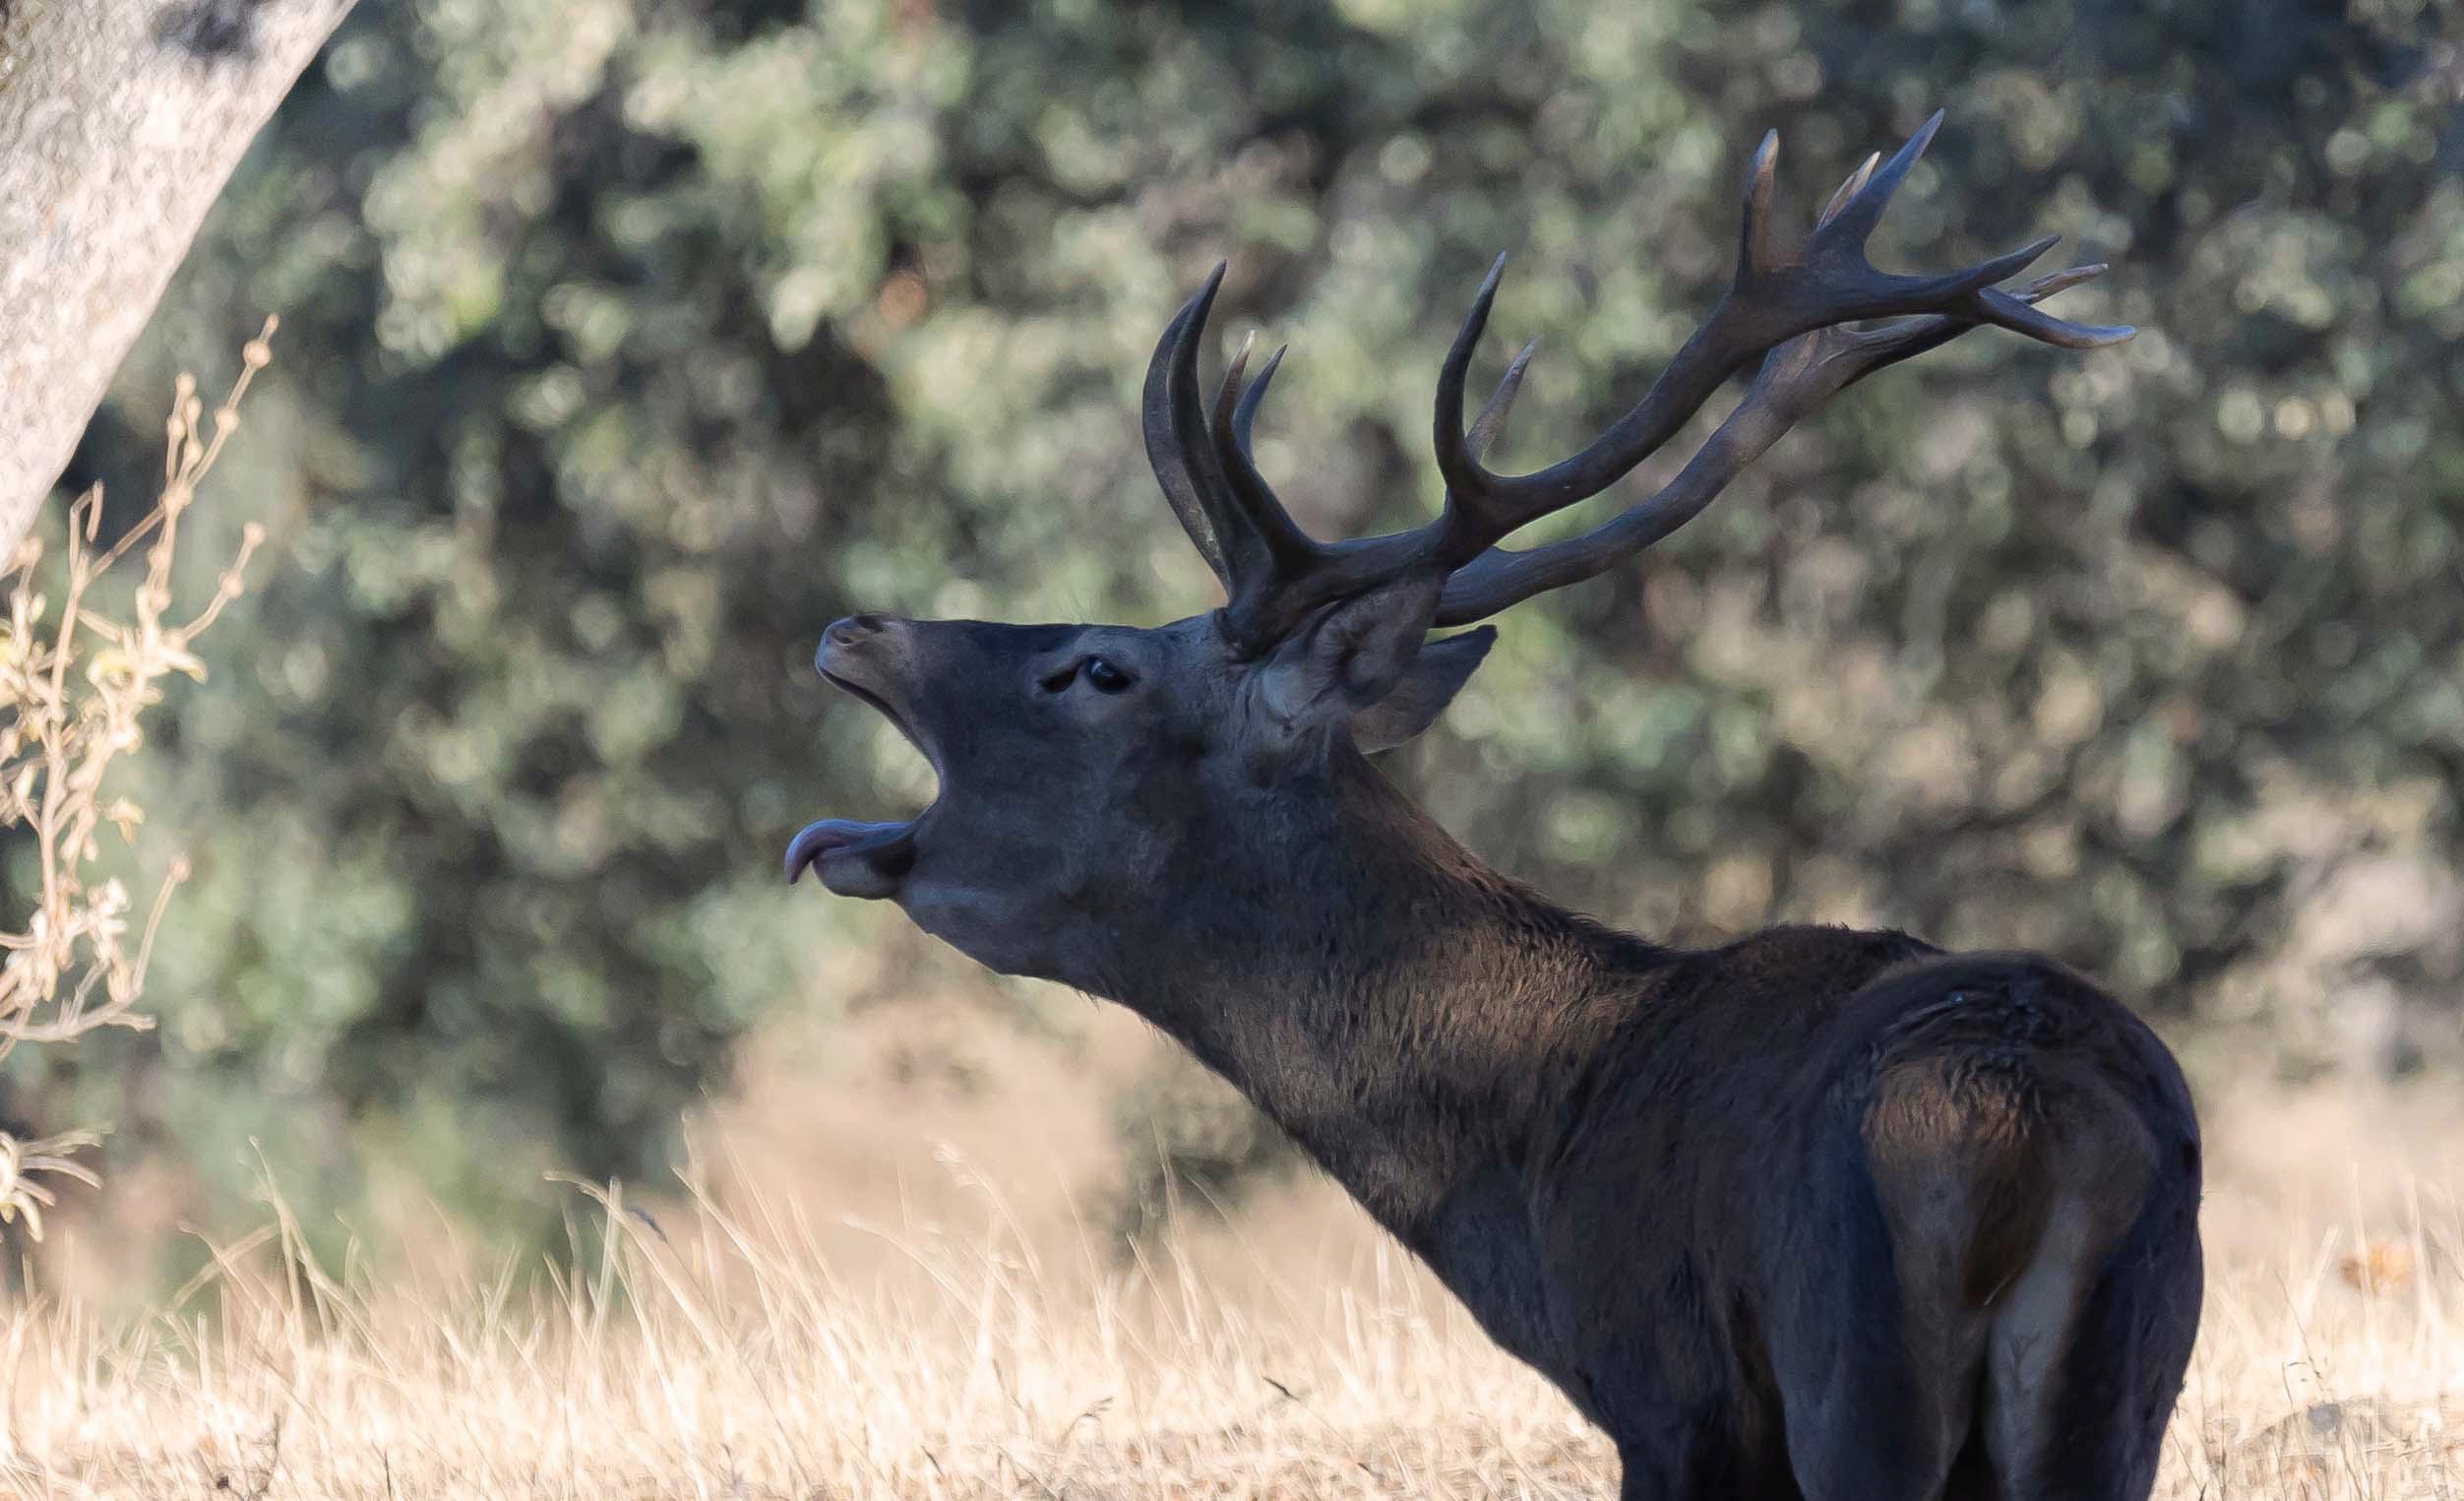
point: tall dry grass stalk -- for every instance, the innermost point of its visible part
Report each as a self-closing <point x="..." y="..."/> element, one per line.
<point x="76" y="688"/>
<point x="703" y="1351"/>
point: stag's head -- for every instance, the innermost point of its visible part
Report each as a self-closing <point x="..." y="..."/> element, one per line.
<point x="1088" y="771"/>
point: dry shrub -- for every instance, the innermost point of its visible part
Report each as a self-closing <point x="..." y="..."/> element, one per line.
<point x="76" y="689"/>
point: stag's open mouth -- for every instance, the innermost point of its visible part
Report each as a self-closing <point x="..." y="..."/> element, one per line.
<point x="853" y="858"/>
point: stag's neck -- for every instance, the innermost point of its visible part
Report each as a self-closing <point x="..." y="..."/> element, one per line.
<point x="1397" y="1007"/>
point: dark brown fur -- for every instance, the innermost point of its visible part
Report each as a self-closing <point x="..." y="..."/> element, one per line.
<point x="1818" y="1213"/>
<point x="1696" y="1188"/>
<point x="1772" y="1214"/>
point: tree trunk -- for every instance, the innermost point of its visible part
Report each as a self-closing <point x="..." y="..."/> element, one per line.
<point x="119" y="121"/>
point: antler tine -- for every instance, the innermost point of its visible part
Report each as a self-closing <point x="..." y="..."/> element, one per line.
<point x="1874" y="348"/>
<point x="1177" y="446"/>
<point x="1492" y="419"/>
<point x="1848" y="189"/>
<point x="1228" y="395"/>
<point x="1243" y="415"/>
<point x="1793" y="379"/>
<point x="2020" y="317"/>
<point x="1863" y="210"/>
<point x="1287" y="547"/>
<point x="1466" y="482"/>
<point x="1753" y="236"/>
<point x="1230" y="388"/>
<point x="1482" y="507"/>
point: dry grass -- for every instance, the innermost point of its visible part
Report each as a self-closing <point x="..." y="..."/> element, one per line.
<point x="727" y="1347"/>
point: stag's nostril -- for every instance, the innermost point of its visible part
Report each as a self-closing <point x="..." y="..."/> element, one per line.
<point x="848" y="633"/>
<point x="855" y="628"/>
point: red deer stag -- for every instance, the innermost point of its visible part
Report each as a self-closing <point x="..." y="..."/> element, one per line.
<point x="1817" y="1212"/>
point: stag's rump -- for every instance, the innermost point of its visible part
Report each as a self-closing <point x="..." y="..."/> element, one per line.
<point x="2011" y="1169"/>
<point x="1997" y="1100"/>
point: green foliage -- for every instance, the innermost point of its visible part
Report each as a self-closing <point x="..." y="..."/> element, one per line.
<point x="629" y="341"/>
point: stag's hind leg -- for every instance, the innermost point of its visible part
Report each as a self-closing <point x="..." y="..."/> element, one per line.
<point x="2088" y="1353"/>
<point x="1876" y="1365"/>
<point x="1875" y="1440"/>
<point x="1884" y="1426"/>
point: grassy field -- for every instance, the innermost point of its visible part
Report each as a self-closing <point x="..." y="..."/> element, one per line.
<point x="734" y="1344"/>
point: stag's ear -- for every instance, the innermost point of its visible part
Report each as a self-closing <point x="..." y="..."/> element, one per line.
<point x="1349" y="658"/>
<point x="1428" y="686"/>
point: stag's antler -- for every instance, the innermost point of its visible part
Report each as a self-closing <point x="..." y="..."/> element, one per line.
<point x="1785" y="310"/>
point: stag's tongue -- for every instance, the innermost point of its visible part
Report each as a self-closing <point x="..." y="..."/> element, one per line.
<point x="853" y="860"/>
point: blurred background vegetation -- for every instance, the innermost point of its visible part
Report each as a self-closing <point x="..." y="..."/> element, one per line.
<point x="627" y="342"/>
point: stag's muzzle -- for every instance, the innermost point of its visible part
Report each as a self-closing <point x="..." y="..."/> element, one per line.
<point x="862" y="655"/>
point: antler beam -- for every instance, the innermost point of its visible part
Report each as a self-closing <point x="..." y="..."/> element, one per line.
<point x="1785" y="310"/>
<point x="1793" y="379"/>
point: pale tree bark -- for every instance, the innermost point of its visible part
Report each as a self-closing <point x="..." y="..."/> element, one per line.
<point x="119" y="122"/>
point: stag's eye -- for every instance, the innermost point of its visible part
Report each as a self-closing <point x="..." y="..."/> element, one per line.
<point x="1101" y="675"/>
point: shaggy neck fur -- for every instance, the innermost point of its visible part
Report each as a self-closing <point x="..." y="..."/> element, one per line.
<point x="1401" y="1010"/>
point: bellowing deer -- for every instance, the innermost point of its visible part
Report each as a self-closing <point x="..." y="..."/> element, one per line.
<point x="1816" y="1212"/>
